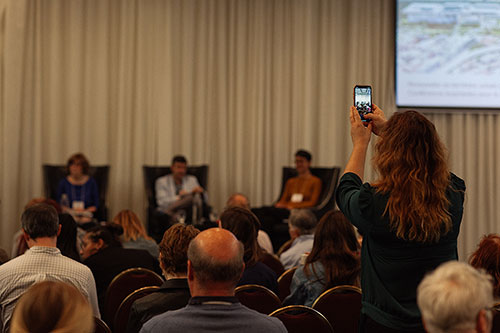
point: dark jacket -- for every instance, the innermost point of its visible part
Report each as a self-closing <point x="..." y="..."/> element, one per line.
<point x="172" y="295"/>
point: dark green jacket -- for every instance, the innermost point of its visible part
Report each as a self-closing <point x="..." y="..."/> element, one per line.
<point x="392" y="268"/>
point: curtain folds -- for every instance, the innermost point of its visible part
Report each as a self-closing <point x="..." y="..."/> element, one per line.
<point x="236" y="84"/>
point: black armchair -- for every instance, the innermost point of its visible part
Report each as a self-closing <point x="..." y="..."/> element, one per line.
<point x="329" y="180"/>
<point x="52" y="175"/>
<point x="151" y="174"/>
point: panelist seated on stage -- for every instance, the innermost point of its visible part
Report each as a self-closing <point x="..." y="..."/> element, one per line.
<point x="78" y="194"/>
<point x="302" y="191"/>
<point x="178" y="191"/>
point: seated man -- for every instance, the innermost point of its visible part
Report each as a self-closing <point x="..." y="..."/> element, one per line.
<point x="43" y="261"/>
<point x="301" y="226"/>
<point x="177" y="191"/>
<point x="302" y="191"/>
<point x="174" y="292"/>
<point x="456" y="298"/>
<point x="215" y="265"/>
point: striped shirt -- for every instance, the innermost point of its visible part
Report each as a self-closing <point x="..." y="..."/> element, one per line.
<point x="38" y="264"/>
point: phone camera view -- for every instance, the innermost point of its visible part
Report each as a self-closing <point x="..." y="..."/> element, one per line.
<point x="363" y="101"/>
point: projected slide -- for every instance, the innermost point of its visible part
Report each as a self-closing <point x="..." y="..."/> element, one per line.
<point x="448" y="53"/>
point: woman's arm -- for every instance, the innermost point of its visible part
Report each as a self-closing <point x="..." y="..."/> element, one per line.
<point x="360" y="135"/>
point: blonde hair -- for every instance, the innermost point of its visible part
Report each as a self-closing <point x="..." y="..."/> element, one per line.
<point x="52" y="306"/>
<point x="131" y="224"/>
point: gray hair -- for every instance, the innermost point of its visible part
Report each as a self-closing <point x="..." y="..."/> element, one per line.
<point x="209" y="269"/>
<point x="40" y="220"/>
<point x="304" y="220"/>
<point x="451" y="297"/>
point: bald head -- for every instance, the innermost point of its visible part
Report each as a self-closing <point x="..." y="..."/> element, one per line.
<point x="238" y="200"/>
<point x="216" y="256"/>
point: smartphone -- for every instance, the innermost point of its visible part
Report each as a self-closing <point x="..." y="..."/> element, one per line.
<point x="363" y="100"/>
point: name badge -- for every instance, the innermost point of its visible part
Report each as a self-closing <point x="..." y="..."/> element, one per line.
<point x="297" y="197"/>
<point x="78" y="205"/>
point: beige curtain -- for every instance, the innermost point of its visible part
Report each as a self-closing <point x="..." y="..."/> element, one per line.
<point x="236" y="84"/>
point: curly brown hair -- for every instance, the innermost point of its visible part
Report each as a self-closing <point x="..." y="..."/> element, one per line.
<point x="487" y="257"/>
<point x="174" y="246"/>
<point x="412" y="165"/>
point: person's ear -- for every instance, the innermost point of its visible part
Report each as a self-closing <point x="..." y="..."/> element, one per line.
<point x="100" y="243"/>
<point x="26" y="236"/>
<point x="483" y="325"/>
<point x="59" y="230"/>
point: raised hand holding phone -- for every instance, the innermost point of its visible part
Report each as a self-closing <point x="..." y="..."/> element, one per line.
<point x="363" y="101"/>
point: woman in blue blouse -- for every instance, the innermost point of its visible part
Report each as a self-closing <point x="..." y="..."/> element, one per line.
<point x="409" y="217"/>
<point x="78" y="193"/>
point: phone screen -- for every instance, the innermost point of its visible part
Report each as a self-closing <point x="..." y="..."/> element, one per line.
<point x="363" y="100"/>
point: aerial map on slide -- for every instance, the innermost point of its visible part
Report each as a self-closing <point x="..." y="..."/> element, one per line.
<point x="448" y="53"/>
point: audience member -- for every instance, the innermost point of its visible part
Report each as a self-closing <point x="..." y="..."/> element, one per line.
<point x="487" y="257"/>
<point x="52" y="306"/>
<point x="134" y="234"/>
<point x="301" y="225"/>
<point x="215" y="265"/>
<point x="409" y="218"/>
<point x="43" y="261"/>
<point x="333" y="261"/>
<point x="78" y="193"/>
<point x="19" y="245"/>
<point x="103" y="253"/>
<point x="240" y="200"/>
<point x="302" y="191"/>
<point x="456" y="298"/>
<point x="66" y="241"/>
<point x="244" y="224"/>
<point x="174" y="293"/>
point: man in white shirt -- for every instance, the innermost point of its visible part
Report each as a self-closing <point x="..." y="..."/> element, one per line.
<point x="176" y="190"/>
<point x="43" y="261"/>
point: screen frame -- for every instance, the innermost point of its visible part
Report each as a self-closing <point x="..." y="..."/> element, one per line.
<point x="437" y="108"/>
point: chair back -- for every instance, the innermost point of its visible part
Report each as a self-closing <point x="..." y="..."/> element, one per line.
<point x="329" y="180"/>
<point x="300" y="318"/>
<point x="341" y="305"/>
<point x="123" y="285"/>
<point x="100" y="326"/>
<point x="123" y="312"/>
<point x="52" y="175"/>
<point x="284" y="282"/>
<point x="258" y="298"/>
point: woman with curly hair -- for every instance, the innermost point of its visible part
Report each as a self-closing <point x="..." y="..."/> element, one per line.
<point x="487" y="257"/>
<point x="409" y="217"/>
<point x="333" y="261"/>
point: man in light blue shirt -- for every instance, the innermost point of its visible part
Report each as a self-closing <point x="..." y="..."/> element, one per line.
<point x="177" y="190"/>
<point x="301" y="226"/>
